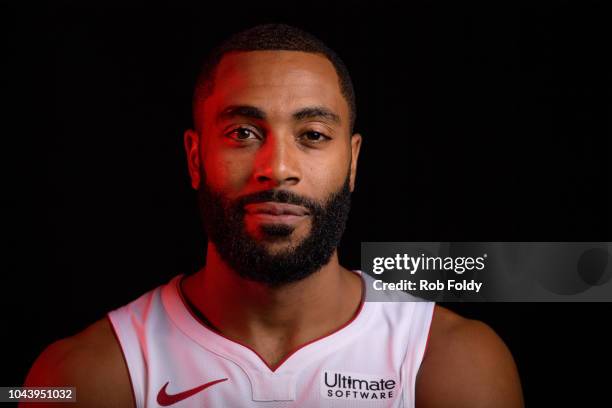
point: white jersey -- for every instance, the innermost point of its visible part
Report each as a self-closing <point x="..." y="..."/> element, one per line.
<point x="175" y="360"/>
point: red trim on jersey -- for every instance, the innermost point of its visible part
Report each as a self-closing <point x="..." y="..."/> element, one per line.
<point x="124" y="359"/>
<point x="292" y="352"/>
<point x="429" y="333"/>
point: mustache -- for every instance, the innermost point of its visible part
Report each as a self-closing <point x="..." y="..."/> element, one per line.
<point x="279" y="196"/>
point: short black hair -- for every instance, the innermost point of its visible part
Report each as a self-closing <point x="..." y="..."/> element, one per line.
<point x="269" y="37"/>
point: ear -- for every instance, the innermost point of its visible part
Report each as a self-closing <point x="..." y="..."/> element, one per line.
<point x="355" y="147"/>
<point x="192" y="148"/>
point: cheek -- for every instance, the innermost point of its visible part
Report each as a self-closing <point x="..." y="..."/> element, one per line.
<point x="226" y="173"/>
<point x="327" y="175"/>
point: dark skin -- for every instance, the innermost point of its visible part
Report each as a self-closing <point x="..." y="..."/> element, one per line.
<point x="285" y="143"/>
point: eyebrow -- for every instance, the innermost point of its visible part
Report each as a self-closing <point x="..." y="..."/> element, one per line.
<point x="241" y="110"/>
<point x="317" y="112"/>
<point x="253" y="112"/>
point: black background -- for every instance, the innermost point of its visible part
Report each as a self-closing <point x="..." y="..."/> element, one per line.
<point x="480" y="123"/>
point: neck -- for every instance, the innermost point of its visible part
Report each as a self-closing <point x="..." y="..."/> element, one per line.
<point x="292" y="314"/>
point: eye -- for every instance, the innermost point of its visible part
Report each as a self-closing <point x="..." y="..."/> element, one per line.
<point x="242" y="133"/>
<point x="315" y="137"/>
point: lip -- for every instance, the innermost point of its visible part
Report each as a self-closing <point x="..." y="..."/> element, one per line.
<point x="276" y="213"/>
<point x="276" y="209"/>
<point x="276" y="219"/>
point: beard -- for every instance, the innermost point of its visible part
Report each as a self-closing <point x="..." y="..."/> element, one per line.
<point x="248" y="257"/>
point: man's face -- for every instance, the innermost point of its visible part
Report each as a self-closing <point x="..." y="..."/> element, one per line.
<point x="274" y="162"/>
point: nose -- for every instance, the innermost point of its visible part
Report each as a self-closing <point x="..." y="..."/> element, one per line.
<point x="277" y="163"/>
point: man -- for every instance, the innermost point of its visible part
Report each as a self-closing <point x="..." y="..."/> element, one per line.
<point x="273" y="319"/>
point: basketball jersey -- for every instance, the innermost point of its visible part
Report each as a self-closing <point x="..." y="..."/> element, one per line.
<point x="175" y="360"/>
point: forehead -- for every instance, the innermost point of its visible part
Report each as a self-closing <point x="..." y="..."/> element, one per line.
<point x="277" y="82"/>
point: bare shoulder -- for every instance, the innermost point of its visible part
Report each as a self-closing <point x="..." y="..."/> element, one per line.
<point x="92" y="362"/>
<point x="466" y="365"/>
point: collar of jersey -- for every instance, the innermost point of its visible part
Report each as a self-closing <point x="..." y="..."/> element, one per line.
<point x="247" y="358"/>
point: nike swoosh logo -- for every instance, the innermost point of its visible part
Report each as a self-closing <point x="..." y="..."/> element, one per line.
<point x="164" y="399"/>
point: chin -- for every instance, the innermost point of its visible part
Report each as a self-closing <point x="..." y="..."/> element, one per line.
<point x="277" y="245"/>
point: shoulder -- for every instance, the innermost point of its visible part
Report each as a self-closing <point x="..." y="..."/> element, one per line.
<point x="92" y="362"/>
<point x="466" y="365"/>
